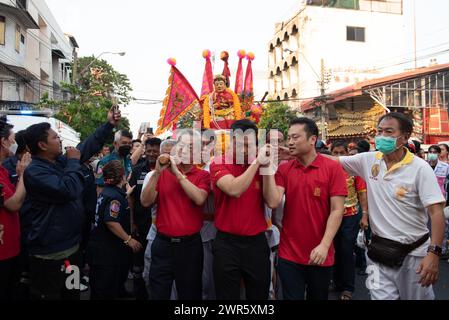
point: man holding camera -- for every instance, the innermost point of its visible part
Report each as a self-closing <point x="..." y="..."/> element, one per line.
<point x="55" y="184"/>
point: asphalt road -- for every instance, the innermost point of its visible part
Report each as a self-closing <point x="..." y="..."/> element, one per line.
<point x="361" y="293"/>
<point x="441" y="289"/>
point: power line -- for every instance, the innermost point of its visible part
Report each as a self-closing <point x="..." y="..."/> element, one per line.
<point x="392" y="58"/>
<point x="411" y="60"/>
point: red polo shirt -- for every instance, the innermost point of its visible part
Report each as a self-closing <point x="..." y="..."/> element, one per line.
<point x="307" y="206"/>
<point x="10" y="221"/>
<point x="243" y="216"/>
<point x="177" y="215"/>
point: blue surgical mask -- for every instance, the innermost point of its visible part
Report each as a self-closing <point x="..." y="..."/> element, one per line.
<point x="432" y="157"/>
<point x="386" y="145"/>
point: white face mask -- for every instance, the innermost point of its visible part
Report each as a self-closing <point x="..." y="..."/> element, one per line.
<point x="13" y="148"/>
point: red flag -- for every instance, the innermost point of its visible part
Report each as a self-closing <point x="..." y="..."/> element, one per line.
<point x="180" y="99"/>
<point x="239" y="76"/>
<point x="248" y="89"/>
<point x="208" y="77"/>
<point x="226" y="72"/>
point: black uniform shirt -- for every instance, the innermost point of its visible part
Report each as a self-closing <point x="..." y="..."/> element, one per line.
<point x="105" y="247"/>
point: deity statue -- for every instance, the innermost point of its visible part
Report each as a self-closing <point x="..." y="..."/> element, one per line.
<point x="222" y="107"/>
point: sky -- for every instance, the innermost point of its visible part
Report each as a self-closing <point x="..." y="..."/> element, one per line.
<point x="150" y="32"/>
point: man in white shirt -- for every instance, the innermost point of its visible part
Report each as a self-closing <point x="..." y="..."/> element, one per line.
<point x="208" y="232"/>
<point x="402" y="193"/>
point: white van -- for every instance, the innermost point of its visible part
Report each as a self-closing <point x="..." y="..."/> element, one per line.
<point x="23" y="119"/>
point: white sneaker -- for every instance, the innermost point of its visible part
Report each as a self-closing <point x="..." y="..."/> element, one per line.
<point x="83" y="288"/>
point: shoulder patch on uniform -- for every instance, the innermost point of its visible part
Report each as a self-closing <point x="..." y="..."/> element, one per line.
<point x="114" y="209"/>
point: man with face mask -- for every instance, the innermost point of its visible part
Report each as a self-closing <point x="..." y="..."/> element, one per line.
<point x="141" y="216"/>
<point x="122" y="152"/>
<point x="403" y="193"/>
<point x="440" y="168"/>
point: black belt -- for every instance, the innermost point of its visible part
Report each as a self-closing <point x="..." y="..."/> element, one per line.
<point x="178" y="239"/>
<point x="230" y="236"/>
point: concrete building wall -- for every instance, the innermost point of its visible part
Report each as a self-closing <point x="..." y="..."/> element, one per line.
<point x="316" y="33"/>
<point x="37" y="63"/>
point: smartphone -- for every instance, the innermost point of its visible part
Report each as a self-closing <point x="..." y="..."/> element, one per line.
<point x="115" y="106"/>
<point x="150" y="130"/>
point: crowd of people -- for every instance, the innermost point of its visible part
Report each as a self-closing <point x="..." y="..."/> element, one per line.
<point x="199" y="217"/>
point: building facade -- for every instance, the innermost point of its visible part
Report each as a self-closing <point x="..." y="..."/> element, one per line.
<point x="421" y="94"/>
<point x="328" y="43"/>
<point x="35" y="55"/>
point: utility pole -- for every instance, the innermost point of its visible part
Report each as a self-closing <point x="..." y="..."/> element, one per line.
<point x="75" y="66"/>
<point x="323" y="101"/>
<point x="414" y="33"/>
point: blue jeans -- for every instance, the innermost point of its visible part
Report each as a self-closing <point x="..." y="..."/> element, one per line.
<point x="299" y="281"/>
<point x="344" y="241"/>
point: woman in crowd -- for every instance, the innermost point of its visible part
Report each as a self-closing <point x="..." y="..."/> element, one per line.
<point x="11" y="199"/>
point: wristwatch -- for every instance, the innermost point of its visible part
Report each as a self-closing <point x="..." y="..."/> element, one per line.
<point x="435" y="250"/>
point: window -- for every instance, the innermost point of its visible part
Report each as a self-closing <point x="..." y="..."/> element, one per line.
<point x="2" y="30"/>
<point x="18" y="38"/>
<point x="342" y="4"/>
<point x="22" y="38"/>
<point x="355" y="34"/>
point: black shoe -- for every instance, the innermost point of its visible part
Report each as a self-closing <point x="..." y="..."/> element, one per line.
<point x="140" y="290"/>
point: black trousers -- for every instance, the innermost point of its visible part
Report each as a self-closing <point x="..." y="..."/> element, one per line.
<point x="344" y="242"/>
<point x="48" y="279"/>
<point x="139" y="286"/>
<point x="297" y="280"/>
<point x="104" y="282"/>
<point x="9" y="277"/>
<point x="237" y="258"/>
<point x="176" y="261"/>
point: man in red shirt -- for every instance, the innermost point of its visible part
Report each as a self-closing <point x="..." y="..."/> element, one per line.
<point x="179" y="189"/>
<point x="344" y="270"/>
<point x="240" y="250"/>
<point x="315" y="191"/>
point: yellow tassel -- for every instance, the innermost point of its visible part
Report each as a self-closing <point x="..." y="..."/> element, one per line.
<point x="237" y="105"/>
<point x="206" y="113"/>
